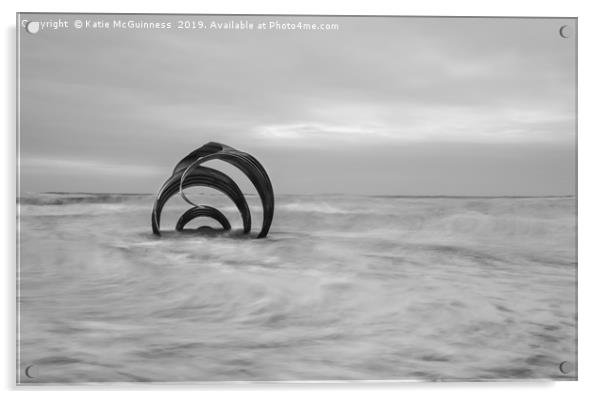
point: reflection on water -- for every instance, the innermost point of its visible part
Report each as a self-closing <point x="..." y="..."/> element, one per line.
<point x="344" y="287"/>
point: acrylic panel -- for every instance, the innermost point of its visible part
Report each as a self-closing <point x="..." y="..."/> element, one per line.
<point x="217" y="198"/>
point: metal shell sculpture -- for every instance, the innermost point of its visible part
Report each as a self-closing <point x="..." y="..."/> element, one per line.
<point x="189" y="172"/>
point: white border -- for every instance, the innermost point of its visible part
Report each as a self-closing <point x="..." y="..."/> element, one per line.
<point x="589" y="188"/>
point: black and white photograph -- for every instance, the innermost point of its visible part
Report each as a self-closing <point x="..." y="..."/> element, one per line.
<point x="208" y="198"/>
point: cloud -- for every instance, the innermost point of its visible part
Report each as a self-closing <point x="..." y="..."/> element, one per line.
<point x="85" y="167"/>
<point x="144" y="99"/>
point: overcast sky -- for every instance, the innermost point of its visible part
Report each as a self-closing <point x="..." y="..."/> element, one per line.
<point x="408" y="106"/>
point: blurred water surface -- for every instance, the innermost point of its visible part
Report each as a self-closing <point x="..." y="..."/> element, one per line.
<point x="344" y="287"/>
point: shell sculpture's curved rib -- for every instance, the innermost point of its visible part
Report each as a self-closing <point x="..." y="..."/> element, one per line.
<point x="189" y="172"/>
<point x="206" y="211"/>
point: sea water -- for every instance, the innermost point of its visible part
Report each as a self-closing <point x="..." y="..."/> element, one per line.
<point x="343" y="288"/>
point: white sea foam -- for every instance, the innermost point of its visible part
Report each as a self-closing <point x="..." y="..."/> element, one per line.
<point x="314" y="207"/>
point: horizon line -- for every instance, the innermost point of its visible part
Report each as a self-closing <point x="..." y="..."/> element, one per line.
<point x="333" y="194"/>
